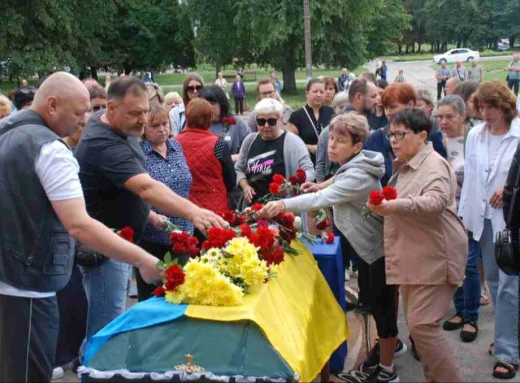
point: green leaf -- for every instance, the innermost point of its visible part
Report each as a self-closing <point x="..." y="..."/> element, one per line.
<point x="168" y="257"/>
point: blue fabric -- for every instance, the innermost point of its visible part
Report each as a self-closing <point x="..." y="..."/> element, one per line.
<point x="467" y="297"/>
<point x="135" y="318"/>
<point x="106" y="287"/>
<point x="172" y="171"/>
<point x="378" y="141"/>
<point x="330" y="262"/>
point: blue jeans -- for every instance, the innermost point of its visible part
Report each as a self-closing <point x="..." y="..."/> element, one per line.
<point x="106" y="287"/>
<point x="467" y="297"/>
<point x="504" y="294"/>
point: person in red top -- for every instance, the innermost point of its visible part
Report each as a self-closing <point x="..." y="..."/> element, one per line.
<point x="208" y="158"/>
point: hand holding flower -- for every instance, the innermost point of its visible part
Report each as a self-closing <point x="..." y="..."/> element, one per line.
<point x="272" y="209"/>
<point x="384" y="208"/>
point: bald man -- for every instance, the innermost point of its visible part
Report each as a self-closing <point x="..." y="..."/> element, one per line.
<point x="41" y="210"/>
<point x="451" y="85"/>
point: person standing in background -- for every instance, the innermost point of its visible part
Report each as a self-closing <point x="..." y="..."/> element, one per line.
<point x="239" y="94"/>
<point x="222" y="83"/>
<point x="460" y="71"/>
<point x="475" y="72"/>
<point x="442" y="75"/>
<point x="513" y="74"/>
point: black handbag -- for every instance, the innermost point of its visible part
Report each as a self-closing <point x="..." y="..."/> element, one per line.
<point x="507" y="246"/>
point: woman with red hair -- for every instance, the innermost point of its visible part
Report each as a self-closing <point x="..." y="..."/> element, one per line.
<point x="208" y="158"/>
<point x="395" y="98"/>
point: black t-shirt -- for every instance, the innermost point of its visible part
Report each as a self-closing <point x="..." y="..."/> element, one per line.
<point x="107" y="160"/>
<point x="308" y="127"/>
<point x="264" y="159"/>
<point x="376" y="122"/>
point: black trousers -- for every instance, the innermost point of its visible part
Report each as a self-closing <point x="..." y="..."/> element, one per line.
<point x="145" y="290"/>
<point x="380" y="297"/>
<point x="239" y="106"/>
<point x="440" y="86"/>
<point x="28" y="336"/>
<point x="513" y="85"/>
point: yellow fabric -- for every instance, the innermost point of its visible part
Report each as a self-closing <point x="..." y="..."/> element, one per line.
<point x="297" y="312"/>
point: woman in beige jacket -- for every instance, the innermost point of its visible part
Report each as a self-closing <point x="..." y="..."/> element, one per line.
<point x="426" y="244"/>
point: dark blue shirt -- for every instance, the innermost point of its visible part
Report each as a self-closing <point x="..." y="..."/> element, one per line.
<point x="378" y="141"/>
<point x="172" y="171"/>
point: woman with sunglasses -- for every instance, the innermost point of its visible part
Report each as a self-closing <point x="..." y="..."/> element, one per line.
<point x="191" y="88"/>
<point x="270" y="151"/>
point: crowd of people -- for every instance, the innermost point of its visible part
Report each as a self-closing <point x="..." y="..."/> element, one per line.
<point x="80" y="158"/>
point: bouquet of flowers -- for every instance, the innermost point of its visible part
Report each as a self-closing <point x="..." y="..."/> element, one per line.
<point x="377" y="197"/>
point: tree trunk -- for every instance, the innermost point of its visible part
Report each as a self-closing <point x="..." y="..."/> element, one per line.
<point x="406" y="49"/>
<point x="419" y="47"/>
<point x="93" y="73"/>
<point x="413" y="47"/>
<point x="512" y="41"/>
<point x="218" y="67"/>
<point x="288" y="70"/>
<point x="400" y="49"/>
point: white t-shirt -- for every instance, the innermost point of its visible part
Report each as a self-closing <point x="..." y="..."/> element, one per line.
<point x="493" y="154"/>
<point x="57" y="170"/>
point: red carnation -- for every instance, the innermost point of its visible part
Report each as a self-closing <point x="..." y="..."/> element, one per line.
<point x="245" y="230"/>
<point x="183" y="243"/>
<point x="159" y="292"/>
<point x="389" y="193"/>
<point x="174" y="277"/>
<point x="218" y="238"/>
<point x="229" y="120"/>
<point x="293" y="180"/>
<point x="330" y="238"/>
<point x="322" y="225"/>
<point x="257" y="206"/>
<point x="278" y="179"/>
<point x="301" y="175"/>
<point x="376" y="197"/>
<point x="274" y="188"/>
<point x="273" y="256"/>
<point x="127" y="233"/>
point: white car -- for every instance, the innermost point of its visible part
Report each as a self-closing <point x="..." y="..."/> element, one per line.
<point x="458" y="54"/>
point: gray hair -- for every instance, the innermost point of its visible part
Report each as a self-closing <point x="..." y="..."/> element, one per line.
<point x="269" y="105"/>
<point x="339" y="98"/>
<point x="454" y="101"/>
<point x="425" y="95"/>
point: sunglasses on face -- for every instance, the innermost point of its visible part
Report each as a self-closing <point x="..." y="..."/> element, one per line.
<point x="192" y="88"/>
<point x="270" y="121"/>
<point x="96" y="108"/>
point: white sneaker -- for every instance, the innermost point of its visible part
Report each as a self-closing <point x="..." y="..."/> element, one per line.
<point x="58" y="373"/>
<point x="347" y="275"/>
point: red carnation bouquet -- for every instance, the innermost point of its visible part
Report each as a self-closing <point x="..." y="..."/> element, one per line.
<point x="377" y="197"/>
<point x="126" y="233"/>
<point x="282" y="187"/>
<point x="228" y="121"/>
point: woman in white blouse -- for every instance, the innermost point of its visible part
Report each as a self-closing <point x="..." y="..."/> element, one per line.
<point x="490" y="147"/>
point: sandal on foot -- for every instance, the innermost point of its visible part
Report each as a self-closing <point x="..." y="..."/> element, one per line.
<point x="468" y="336"/>
<point x="491" y="349"/>
<point x="510" y="367"/>
<point x="451" y="326"/>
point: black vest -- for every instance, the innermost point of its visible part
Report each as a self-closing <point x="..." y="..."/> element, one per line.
<point x="36" y="252"/>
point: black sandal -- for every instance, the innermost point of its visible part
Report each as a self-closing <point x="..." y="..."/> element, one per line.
<point x="450" y="326"/>
<point x="468" y="336"/>
<point x="510" y="367"/>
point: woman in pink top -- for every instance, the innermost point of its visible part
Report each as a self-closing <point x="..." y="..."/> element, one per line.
<point x="426" y="244"/>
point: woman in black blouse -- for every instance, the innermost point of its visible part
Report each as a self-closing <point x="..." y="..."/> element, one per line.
<point x="309" y="121"/>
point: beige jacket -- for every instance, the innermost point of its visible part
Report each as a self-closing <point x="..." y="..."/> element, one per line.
<point x="425" y="241"/>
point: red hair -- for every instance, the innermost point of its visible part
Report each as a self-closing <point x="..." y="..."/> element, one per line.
<point x="199" y="114"/>
<point x="400" y="92"/>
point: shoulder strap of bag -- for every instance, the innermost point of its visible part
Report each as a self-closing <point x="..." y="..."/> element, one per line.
<point x="513" y="198"/>
<point x="312" y="122"/>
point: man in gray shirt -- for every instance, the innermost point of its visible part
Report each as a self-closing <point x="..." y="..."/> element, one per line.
<point x="460" y="71"/>
<point x="442" y="75"/>
<point x="475" y="72"/>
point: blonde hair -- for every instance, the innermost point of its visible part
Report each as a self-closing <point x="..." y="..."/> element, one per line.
<point x="172" y="97"/>
<point x="269" y="105"/>
<point x="5" y="105"/>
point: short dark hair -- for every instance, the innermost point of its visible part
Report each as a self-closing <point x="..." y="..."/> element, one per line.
<point x="359" y="85"/>
<point x="329" y="81"/>
<point x="313" y="81"/>
<point x="121" y="86"/>
<point x="215" y="94"/>
<point x="414" y="119"/>
<point x="466" y="89"/>
<point x="23" y="96"/>
<point x="381" y="83"/>
<point x="97" y="91"/>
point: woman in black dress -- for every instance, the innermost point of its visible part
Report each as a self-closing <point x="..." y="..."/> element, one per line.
<point x="309" y="121"/>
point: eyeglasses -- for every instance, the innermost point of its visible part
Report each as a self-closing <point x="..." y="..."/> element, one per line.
<point x="270" y="121"/>
<point x="96" y="108"/>
<point x="445" y="117"/>
<point x="267" y="94"/>
<point x="192" y="88"/>
<point x="398" y="135"/>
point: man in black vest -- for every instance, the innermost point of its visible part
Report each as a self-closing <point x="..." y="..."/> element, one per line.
<point x="41" y="208"/>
